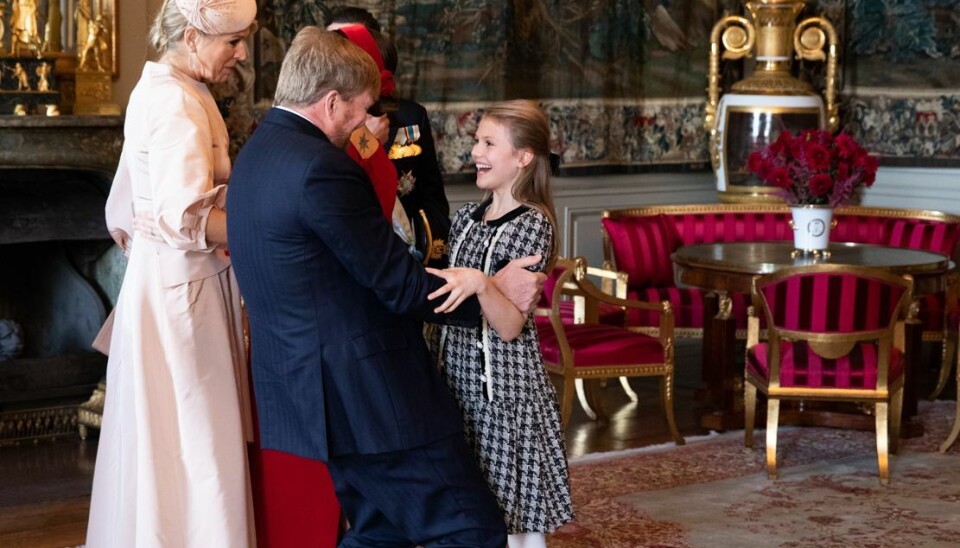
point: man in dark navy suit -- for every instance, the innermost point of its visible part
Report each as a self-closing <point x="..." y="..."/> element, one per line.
<point x="335" y="304"/>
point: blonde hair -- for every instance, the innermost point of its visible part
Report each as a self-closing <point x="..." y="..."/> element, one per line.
<point x="529" y="130"/>
<point x="168" y="27"/>
<point x="321" y="61"/>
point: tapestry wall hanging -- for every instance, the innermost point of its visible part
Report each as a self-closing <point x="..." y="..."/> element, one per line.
<point x="623" y="81"/>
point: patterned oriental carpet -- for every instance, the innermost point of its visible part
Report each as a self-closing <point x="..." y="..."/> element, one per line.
<point x="713" y="492"/>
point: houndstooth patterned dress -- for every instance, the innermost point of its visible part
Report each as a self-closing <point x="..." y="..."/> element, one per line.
<point x="511" y="422"/>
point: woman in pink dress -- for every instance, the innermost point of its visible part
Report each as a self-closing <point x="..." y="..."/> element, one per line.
<point x="171" y="463"/>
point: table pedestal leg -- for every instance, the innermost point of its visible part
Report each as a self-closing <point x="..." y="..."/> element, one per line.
<point x="912" y="374"/>
<point x="720" y="374"/>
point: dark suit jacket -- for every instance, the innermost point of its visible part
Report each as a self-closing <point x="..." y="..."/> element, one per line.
<point x="428" y="193"/>
<point x="335" y="302"/>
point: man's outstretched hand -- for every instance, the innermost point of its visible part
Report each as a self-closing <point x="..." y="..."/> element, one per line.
<point x="521" y="286"/>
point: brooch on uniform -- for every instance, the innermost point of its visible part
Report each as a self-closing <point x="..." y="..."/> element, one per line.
<point x="438" y="248"/>
<point x="405" y="144"/>
<point x="405" y="183"/>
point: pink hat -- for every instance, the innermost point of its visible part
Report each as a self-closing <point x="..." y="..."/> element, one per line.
<point x="359" y="35"/>
<point x="219" y="16"/>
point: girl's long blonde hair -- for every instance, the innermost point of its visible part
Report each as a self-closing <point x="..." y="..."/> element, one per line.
<point x="528" y="129"/>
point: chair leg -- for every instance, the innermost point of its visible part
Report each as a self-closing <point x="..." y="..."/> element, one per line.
<point x="593" y="387"/>
<point x="749" y="413"/>
<point x="625" y="383"/>
<point x="566" y="402"/>
<point x="881" y="411"/>
<point x="949" y="348"/>
<point x="952" y="438"/>
<point x="584" y="403"/>
<point x="896" y="418"/>
<point x="666" y="394"/>
<point x="773" y="417"/>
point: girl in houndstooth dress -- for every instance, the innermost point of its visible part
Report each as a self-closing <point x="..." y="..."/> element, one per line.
<point x="495" y="370"/>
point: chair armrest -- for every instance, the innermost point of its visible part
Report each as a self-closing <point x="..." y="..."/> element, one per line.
<point x="591" y="291"/>
<point x="612" y="282"/>
<point x="573" y="282"/>
<point x="753" y="327"/>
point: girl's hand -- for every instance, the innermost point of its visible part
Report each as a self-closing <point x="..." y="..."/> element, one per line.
<point x="379" y="126"/>
<point x="461" y="284"/>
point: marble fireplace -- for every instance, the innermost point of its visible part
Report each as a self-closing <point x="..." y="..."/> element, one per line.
<point x="59" y="271"/>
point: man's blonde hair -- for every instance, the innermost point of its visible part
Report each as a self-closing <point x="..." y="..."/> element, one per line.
<point x="321" y="61"/>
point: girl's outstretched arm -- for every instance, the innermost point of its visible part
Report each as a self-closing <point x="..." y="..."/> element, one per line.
<point x="500" y="313"/>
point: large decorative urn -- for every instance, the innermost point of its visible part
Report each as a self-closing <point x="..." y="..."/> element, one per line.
<point x="770" y="100"/>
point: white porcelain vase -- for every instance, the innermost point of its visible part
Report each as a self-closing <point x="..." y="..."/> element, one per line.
<point x="811" y="227"/>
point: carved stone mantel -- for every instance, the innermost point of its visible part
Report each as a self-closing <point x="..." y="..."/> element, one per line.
<point x="68" y="142"/>
<point x="55" y="174"/>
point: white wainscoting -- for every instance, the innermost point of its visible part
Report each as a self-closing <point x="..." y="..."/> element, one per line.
<point x="580" y="200"/>
<point x="937" y="189"/>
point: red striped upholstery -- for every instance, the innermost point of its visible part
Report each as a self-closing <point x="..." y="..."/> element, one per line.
<point x="930" y="236"/>
<point x="687" y="306"/>
<point x="550" y="284"/>
<point x="699" y="228"/>
<point x="829" y="303"/>
<point x="800" y="366"/>
<point x="921" y="234"/>
<point x="829" y="326"/>
<point x="642" y="245"/>
<point x="862" y="229"/>
<point x="600" y="345"/>
<point x="687" y="303"/>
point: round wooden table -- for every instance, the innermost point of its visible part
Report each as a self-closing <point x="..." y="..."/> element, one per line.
<point x="724" y="268"/>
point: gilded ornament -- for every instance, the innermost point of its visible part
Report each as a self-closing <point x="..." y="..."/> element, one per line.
<point x="405" y="143"/>
<point x="94" y="46"/>
<point x="43" y="77"/>
<point x="438" y="248"/>
<point x="404" y="151"/>
<point x="93" y="94"/>
<point x="51" y="30"/>
<point x="21" y="76"/>
<point x="24" y="30"/>
<point x="773" y="38"/>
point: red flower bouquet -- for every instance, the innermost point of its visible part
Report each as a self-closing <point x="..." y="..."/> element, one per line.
<point x="814" y="167"/>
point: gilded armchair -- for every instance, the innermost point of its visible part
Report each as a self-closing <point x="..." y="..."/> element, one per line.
<point x="835" y="334"/>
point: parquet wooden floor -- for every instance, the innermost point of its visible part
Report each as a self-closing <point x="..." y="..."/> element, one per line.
<point x="45" y="486"/>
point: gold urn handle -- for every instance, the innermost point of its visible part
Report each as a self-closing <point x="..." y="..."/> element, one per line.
<point x="737" y="35"/>
<point x="809" y="40"/>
